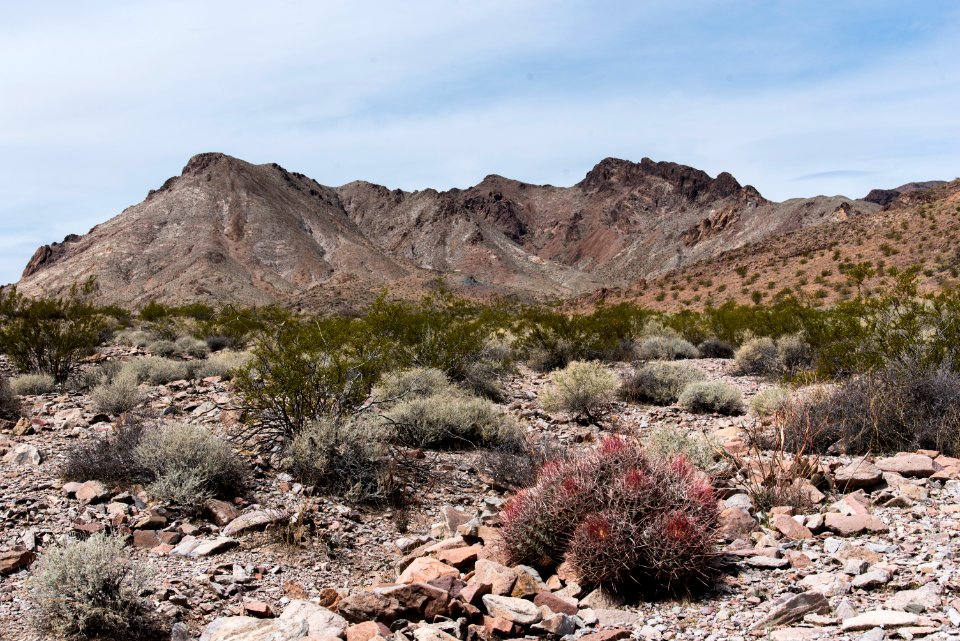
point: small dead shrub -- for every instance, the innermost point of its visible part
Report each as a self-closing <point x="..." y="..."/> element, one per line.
<point x="223" y="364"/>
<point x="191" y="346"/>
<point x="659" y="382"/>
<point x="110" y="458"/>
<point x="707" y="397"/>
<point x="32" y="384"/>
<point x="160" y="371"/>
<point x="9" y="403"/>
<point x="584" y="389"/>
<point x="716" y="348"/>
<point x="515" y="464"/>
<point x="89" y="589"/>
<point x="350" y="460"/>
<point x="903" y="406"/>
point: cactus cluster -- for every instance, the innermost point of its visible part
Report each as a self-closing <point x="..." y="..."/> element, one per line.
<point x="633" y="524"/>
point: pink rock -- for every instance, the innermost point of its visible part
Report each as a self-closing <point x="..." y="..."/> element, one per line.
<point x="789" y="527"/>
<point x="854" y="524"/>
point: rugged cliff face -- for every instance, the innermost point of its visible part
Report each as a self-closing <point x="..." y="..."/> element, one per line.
<point x="226" y="230"/>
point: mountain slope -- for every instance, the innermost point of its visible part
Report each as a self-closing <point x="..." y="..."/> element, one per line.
<point x="227" y="230"/>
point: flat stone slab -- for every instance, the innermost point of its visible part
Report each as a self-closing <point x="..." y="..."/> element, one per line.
<point x="879" y="619"/>
<point x="194" y="547"/>
<point x="253" y="629"/>
<point x="256" y="520"/>
<point x="915" y="465"/>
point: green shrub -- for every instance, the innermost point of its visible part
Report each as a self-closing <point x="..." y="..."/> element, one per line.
<point x="584" y="389"/>
<point x="49" y="336"/>
<point x="905" y="406"/>
<point x="192" y="347"/>
<point x="117" y="396"/>
<point x="665" y="348"/>
<point x="759" y="357"/>
<point x="32" y="384"/>
<point x="99" y="374"/>
<point x="770" y="401"/>
<point x="416" y="382"/>
<point x="659" y="382"/>
<point x="134" y="338"/>
<point x="794" y="353"/>
<point x="9" y="403"/>
<point x="224" y="364"/>
<point x="667" y="443"/>
<point x="164" y="348"/>
<point x="110" y="458"/>
<point x="705" y="397"/>
<point x="715" y="348"/>
<point x="158" y="371"/>
<point x="177" y="455"/>
<point x="449" y="420"/>
<point x="350" y="460"/>
<point x="87" y="588"/>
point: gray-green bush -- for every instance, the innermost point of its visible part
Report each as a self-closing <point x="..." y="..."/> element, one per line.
<point x="451" y="420"/>
<point x="179" y="456"/>
<point x="659" y="382"/>
<point x="223" y="364"/>
<point x="584" y="389"/>
<point x="665" y="348"/>
<point x="118" y="395"/>
<point x="32" y="384"/>
<point x="706" y="397"/>
<point x="87" y="588"/>
<point x="759" y="357"/>
<point x="769" y="401"/>
<point x="669" y="442"/>
<point x="160" y="371"/>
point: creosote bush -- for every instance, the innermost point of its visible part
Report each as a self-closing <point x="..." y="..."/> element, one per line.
<point x="904" y="406"/>
<point x="705" y="397"/>
<point x="665" y="348"/>
<point x="32" y="384"/>
<point x="188" y="464"/>
<point x="659" y="383"/>
<point x="770" y="401"/>
<point x="9" y="403"/>
<point x="584" y="389"/>
<point x="637" y="525"/>
<point x="87" y="588"/>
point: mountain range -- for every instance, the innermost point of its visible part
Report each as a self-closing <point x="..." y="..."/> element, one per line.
<point x="227" y="230"/>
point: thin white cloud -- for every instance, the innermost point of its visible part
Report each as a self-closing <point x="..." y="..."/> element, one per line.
<point x="110" y="99"/>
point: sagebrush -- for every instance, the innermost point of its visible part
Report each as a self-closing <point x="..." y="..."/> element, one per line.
<point x="584" y="389"/>
<point x="659" y="382"/>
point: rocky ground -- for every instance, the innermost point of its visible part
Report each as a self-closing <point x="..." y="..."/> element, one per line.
<point x="874" y="557"/>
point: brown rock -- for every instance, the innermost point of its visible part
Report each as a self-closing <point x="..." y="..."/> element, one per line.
<point x="500" y="577"/>
<point x="92" y="492"/>
<point x="15" y="560"/>
<point x="295" y="591"/>
<point x="426" y="569"/>
<point x="258" y="609"/>
<point x="460" y="557"/>
<point x="614" y="634"/>
<point x="911" y="465"/>
<point x="555" y="603"/>
<point x="366" y="631"/>
<point x="789" y="527"/>
<point x="859" y="473"/>
<point x="736" y="523"/>
<point x="329" y="598"/>
<point x="221" y="511"/>
<point x="145" y="539"/>
<point x="367" y="606"/>
<point x="848" y="525"/>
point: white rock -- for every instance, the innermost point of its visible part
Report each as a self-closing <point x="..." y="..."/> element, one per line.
<point x="251" y="629"/>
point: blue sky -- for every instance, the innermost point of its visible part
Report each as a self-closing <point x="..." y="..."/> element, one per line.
<point x="103" y="100"/>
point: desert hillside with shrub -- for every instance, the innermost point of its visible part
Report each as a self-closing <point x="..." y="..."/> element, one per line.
<point x="447" y="469"/>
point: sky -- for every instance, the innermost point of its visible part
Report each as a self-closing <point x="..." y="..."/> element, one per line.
<point x="101" y="101"/>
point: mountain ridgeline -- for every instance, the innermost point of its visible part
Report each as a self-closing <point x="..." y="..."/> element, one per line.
<point x="225" y="230"/>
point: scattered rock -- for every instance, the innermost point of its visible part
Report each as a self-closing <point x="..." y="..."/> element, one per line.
<point x="253" y="629"/>
<point x="879" y="619"/>
<point x="519" y="611"/>
<point x="22" y="455"/>
<point x="256" y="520"/>
<point x="859" y="473"/>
